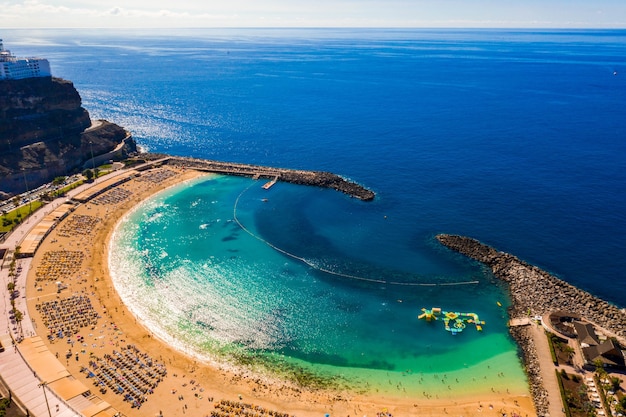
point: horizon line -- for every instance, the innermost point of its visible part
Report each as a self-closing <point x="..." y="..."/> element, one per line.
<point x="327" y="27"/>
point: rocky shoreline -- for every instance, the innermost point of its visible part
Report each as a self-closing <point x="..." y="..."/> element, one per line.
<point x="524" y="340"/>
<point x="535" y="292"/>
<point x="302" y="177"/>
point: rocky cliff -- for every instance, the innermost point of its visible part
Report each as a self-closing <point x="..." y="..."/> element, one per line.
<point x="45" y="132"/>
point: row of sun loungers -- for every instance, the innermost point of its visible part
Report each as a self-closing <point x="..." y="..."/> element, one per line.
<point x="157" y="176"/>
<point x="59" y="265"/>
<point x="114" y="196"/>
<point x="128" y="372"/>
<point x="226" y="408"/>
<point x="78" y="225"/>
<point x="66" y="316"/>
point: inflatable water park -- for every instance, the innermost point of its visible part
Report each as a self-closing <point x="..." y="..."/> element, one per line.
<point x="454" y="322"/>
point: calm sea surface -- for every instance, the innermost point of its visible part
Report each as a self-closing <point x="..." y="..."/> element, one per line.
<point x="517" y="138"/>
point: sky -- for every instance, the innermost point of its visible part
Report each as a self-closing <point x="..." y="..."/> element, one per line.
<point x="313" y="13"/>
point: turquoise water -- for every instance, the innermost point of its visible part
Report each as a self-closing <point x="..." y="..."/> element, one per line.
<point x="186" y="267"/>
<point x="513" y="137"/>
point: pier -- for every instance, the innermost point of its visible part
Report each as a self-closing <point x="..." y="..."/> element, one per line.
<point x="269" y="184"/>
<point x="301" y="177"/>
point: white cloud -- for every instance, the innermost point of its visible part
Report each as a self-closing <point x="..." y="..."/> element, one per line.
<point x="301" y="13"/>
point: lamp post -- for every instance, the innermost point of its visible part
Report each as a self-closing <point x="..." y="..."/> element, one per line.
<point x="93" y="163"/>
<point x="30" y="203"/>
<point x="43" y="386"/>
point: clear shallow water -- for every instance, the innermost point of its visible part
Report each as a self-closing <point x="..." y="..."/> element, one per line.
<point x="513" y="137"/>
<point x="186" y="267"/>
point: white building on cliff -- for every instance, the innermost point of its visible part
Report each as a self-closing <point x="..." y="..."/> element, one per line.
<point x="13" y="68"/>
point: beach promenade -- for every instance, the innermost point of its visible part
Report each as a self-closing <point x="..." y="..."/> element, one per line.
<point x="15" y="372"/>
<point x="84" y="368"/>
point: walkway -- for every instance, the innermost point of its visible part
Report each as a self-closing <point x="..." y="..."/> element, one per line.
<point x="26" y="387"/>
<point x="547" y="370"/>
<point x="14" y="370"/>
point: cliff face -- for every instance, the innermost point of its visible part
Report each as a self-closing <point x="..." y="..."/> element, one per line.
<point x="45" y="132"/>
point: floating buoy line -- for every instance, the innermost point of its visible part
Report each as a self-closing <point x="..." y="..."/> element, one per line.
<point x="328" y="271"/>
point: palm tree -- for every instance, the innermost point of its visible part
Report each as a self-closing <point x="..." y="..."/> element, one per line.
<point x="599" y="367"/>
<point x="615" y="383"/>
<point x="570" y="353"/>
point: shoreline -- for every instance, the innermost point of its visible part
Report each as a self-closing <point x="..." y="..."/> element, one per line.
<point x="217" y="382"/>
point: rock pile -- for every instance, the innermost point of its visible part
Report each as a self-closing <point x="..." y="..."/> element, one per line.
<point x="536" y="292"/>
<point x="302" y="177"/>
<point x="531" y="363"/>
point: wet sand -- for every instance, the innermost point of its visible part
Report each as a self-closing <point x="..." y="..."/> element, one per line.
<point x="192" y="387"/>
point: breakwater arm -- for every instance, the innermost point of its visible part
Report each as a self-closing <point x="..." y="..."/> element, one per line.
<point x="535" y="290"/>
<point x="302" y="177"/>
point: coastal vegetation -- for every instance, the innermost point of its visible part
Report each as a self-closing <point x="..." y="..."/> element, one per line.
<point x="8" y="408"/>
<point x="559" y="349"/>
<point x="62" y="191"/>
<point x="574" y="395"/>
<point x="18" y="215"/>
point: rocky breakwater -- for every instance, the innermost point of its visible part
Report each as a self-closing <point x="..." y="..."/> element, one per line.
<point x="45" y="132"/>
<point x="302" y="177"/>
<point x="536" y="292"/>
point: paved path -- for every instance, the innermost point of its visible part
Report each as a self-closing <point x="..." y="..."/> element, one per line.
<point x="547" y="369"/>
<point x="26" y="387"/>
<point x="14" y="370"/>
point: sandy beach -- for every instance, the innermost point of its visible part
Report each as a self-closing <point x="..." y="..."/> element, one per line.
<point x="190" y="386"/>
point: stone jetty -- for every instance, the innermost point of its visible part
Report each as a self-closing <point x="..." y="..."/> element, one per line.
<point x="536" y="292"/>
<point x="302" y="177"/>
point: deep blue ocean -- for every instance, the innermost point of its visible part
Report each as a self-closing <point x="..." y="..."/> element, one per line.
<point x="514" y="137"/>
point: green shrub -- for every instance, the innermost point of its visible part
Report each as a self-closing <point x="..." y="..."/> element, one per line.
<point x="4" y="404"/>
<point x="568" y="413"/>
<point x="551" y="344"/>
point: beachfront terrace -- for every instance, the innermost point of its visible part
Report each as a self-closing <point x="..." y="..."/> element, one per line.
<point x="106" y="185"/>
<point x="38" y="233"/>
